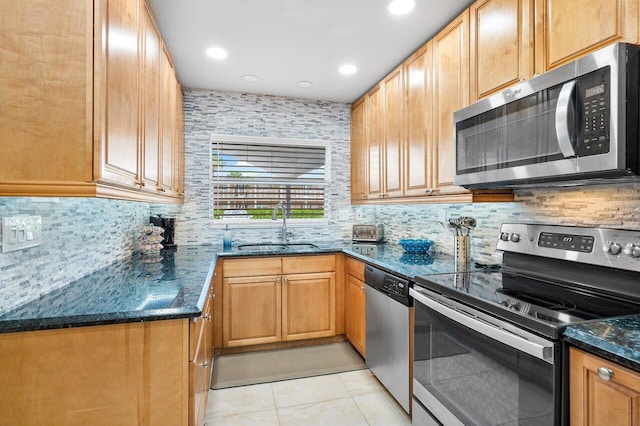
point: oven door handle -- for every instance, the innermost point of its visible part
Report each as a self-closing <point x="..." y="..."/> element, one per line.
<point x="536" y="349"/>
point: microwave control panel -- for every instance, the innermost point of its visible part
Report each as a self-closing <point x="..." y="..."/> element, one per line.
<point x="594" y="101"/>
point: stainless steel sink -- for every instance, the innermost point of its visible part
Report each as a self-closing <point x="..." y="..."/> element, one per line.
<point x="276" y="247"/>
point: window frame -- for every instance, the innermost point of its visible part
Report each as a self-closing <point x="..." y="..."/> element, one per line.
<point x="268" y="223"/>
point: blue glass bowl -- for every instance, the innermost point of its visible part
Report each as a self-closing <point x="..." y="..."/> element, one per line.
<point x="411" y="245"/>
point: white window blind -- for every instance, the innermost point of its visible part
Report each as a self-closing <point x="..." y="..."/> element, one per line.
<point x="251" y="177"/>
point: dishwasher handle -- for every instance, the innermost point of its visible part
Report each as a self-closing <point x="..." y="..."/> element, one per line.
<point x="539" y="348"/>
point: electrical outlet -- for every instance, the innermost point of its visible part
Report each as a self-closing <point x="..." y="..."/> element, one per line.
<point x="21" y="232"/>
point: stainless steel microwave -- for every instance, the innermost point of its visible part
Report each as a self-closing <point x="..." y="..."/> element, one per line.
<point x="575" y="124"/>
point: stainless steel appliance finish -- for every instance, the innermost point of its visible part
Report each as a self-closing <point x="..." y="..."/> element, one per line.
<point x="487" y="345"/>
<point x="387" y="332"/>
<point x="576" y="124"/>
<point x="367" y="233"/>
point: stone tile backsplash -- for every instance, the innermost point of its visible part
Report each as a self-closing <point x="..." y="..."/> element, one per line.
<point x="79" y="236"/>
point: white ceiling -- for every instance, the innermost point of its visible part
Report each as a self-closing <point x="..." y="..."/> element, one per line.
<point x="286" y="41"/>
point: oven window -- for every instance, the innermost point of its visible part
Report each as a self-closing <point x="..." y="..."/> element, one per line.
<point x="479" y="380"/>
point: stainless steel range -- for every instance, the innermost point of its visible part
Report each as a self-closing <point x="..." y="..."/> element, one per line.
<point x="488" y="347"/>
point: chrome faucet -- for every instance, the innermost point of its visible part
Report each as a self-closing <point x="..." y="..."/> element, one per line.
<point x="274" y="216"/>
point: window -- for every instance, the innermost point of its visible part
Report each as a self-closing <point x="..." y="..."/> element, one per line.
<point x="251" y="175"/>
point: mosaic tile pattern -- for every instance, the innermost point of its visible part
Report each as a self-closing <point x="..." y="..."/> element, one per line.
<point x="614" y="205"/>
<point x="80" y="236"/>
<point x="210" y="112"/>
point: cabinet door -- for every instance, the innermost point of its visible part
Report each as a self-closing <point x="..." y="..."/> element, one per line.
<point x="308" y="306"/>
<point x="610" y="400"/>
<point x="419" y="149"/>
<point x="251" y="310"/>
<point x="392" y="166"/>
<point x="451" y="93"/>
<point x="374" y="140"/>
<point x="356" y="316"/>
<point x="501" y="45"/>
<point x="117" y="103"/>
<point x="151" y="60"/>
<point x="198" y="372"/>
<point x="567" y="29"/>
<point x="358" y="152"/>
<point x="168" y="107"/>
<point x="178" y="149"/>
<point x="46" y="74"/>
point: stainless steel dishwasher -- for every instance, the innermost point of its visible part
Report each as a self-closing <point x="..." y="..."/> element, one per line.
<point x="387" y="311"/>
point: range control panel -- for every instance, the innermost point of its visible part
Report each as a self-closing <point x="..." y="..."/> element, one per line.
<point x="617" y="248"/>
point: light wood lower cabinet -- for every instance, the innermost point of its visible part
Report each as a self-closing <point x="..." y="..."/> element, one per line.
<point x="121" y="374"/>
<point x="274" y="299"/>
<point x="201" y="361"/>
<point x="251" y="311"/>
<point x="308" y="306"/>
<point x="356" y="307"/>
<point x="602" y="392"/>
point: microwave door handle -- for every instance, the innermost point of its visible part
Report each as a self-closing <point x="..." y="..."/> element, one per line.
<point x="562" y="119"/>
<point x="543" y="352"/>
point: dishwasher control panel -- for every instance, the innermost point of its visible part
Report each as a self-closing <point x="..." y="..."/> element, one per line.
<point x="393" y="286"/>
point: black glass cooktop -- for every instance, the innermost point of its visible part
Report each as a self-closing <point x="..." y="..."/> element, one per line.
<point x="543" y="307"/>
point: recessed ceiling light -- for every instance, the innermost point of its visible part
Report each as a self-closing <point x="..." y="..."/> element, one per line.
<point x="401" y="7"/>
<point x="249" y="77"/>
<point x="348" y="69"/>
<point x="217" y="52"/>
<point x="304" y="84"/>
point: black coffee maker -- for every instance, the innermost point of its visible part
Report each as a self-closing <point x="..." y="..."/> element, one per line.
<point x="169" y="225"/>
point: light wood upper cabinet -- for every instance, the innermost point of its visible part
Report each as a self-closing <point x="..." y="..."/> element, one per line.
<point x="419" y="149"/>
<point x="117" y="67"/>
<point x="567" y="29"/>
<point x="169" y="110"/>
<point x="374" y="135"/>
<point x="602" y="392"/>
<point x="151" y="60"/>
<point x="46" y="85"/>
<point x="178" y="174"/>
<point x="358" y="152"/>
<point x="502" y="48"/>
<point x="451" y="93"/>
<point x="393" y="141"/>
<point x="82" y="118"/>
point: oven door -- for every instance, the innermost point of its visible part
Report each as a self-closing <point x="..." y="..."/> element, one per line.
<point x="472" y="369"/>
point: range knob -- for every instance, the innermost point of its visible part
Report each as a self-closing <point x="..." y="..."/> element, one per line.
<point x="515" y="237"/>
<point x="615" y="249"/>
<point x="632" y="250"/>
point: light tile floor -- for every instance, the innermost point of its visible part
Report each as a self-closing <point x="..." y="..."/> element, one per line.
<point x="352" y="398"/>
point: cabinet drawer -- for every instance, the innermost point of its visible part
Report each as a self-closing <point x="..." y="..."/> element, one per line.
<point x="251" y="267"/>
<point x="355" y="268"/>
<point x="306" y="264"/>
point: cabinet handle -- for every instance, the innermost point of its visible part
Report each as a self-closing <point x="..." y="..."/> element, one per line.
<point x="212" y="296"/>
<point x="362" y="288"/>
<point x="286" y="280"/>
<point x="204" y="364"/>
<point x="429" y="191"/>
<point x="364" y="195"/>
<point x="522" y="80"/>
<point x="278" y="280"/>
<point x="605" y="373"/>
<point x="208" y="317"/>
<point x="162" y="190"/>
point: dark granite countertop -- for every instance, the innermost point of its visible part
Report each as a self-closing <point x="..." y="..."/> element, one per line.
<point x="126" y="291"/>
<point x="132" y="290"/>
<point x="617" y="339"/>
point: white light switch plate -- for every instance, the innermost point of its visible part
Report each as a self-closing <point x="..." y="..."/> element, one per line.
<point x="21" y="232"/>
